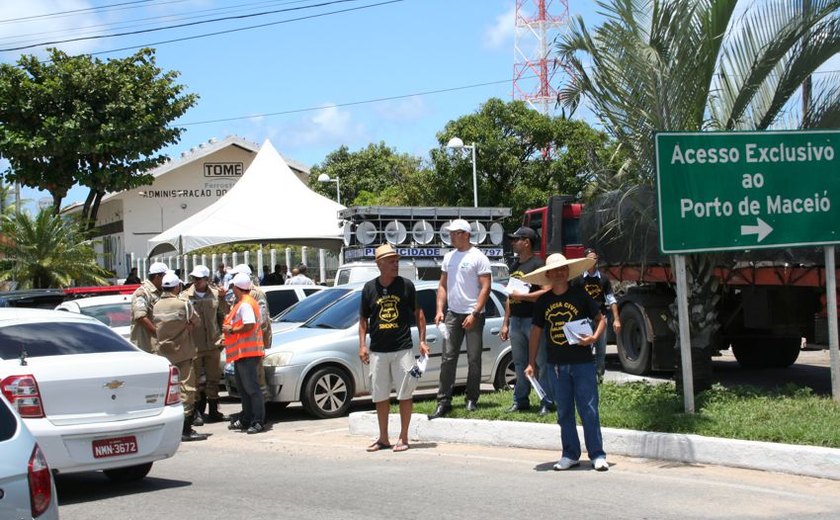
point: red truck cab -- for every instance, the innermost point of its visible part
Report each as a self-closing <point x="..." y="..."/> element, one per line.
<point x="557" y="226"/>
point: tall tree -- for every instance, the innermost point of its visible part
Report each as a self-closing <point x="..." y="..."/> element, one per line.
<point x="75" y="119"/>
<point x="522" y="157"/>
<point x="688" y="65"/>
<point x="47" y="251"/>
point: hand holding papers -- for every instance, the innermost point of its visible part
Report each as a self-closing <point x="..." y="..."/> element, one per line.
<point x="515" y="285"/>
<point x="537" y="387"/>
<point x="576" y="330"/>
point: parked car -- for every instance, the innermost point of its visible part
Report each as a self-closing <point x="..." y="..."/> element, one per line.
<point x="27" y="489"/>
<point x="93" y="400"/>
<point x="318" y="363"/>
<point x="114" y="310"/>
<point x="304" y="310"/>
<point x="281" y="297"/>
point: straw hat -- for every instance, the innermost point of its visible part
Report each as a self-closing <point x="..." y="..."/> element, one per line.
<point x="577" y="267"/>
<point x="385" y="251"/>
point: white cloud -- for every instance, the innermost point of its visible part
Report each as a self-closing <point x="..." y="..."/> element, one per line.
<point x="44" y="29"/>
<point x="501" y="33"/>
<point x="402" y="110"/>
<point x="328" y="126"/>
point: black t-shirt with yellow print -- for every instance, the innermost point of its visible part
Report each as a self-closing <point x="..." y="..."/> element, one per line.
<point x="552" y="311"/>
<point x="518" y="270"/>
<point x="596" y="286"/>
<point x="390" y="314"/>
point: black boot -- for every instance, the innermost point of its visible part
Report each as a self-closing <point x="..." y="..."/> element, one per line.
<point x="214" y="415"/>
<point x="199" y="411"/>
<point x="188" y="434"/>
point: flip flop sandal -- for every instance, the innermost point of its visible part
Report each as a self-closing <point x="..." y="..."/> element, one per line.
<point x="401" y="447"/>
<point x="376" y="446"/>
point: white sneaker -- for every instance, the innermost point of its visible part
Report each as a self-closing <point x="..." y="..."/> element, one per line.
<point x="566" y="463"/>
<point x="600" y="464"/>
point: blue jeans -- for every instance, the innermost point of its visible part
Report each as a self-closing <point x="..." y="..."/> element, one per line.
<point x="576" y="385"/>
<point x="451" y="352"/>
<point x="250" y="394"/>
<point x="519" y="330"/>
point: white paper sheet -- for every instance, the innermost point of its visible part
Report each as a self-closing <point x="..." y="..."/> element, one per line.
<point x="577" y="330"/>
<point x="537" y="387"/>
<point x="515" y="285"/>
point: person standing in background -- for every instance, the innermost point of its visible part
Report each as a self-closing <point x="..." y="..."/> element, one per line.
<point x="143" y="300"/>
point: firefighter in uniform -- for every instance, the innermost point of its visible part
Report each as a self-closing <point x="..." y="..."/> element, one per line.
<point x="244" y="348"/>
<point x="265" y="318"/>
<point x="207" y="338"/>
<point x="174" y="320"/>
<point x="142" y="302"/>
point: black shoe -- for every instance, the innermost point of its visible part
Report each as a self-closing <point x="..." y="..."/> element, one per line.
<point x="192" y="435"/>
<point x="198" y="420"/>
<point x="517" y="408"/>
<point x="214" y="415"/>
<point x="442" y="410"/>
<point x="544" y="410"/>
<point x="237" y="425"/>
<point x="256" y="427"/>
<point x="472" y="406"/>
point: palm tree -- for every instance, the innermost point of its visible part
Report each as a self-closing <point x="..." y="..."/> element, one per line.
<point x="46" y="251"/>
<point x="692" y="65"/>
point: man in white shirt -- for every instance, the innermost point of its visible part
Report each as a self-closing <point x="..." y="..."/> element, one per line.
<point x="462" y="293"/>
<point x="300" y="278"/>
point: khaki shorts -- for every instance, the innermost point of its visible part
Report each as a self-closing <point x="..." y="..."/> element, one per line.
<point x="387" y="372"/>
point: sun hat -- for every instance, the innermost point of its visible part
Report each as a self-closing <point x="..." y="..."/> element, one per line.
<point x="158" y="268"/>
<point x="200" y="271"/>
<point x="459" y="224"/>
<point x="170" y="280"/>
<point x="241" y="268"/>
<point x="242" y="280"/>
<point x="385" y="251"/>
<point x="577" y="266"/>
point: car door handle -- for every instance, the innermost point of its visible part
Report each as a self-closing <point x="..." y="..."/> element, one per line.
<point x="494" y="331"/>
<point x="431" y="339"/>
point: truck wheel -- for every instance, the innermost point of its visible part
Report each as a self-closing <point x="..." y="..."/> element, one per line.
<point x="327" y="393"/>
<point x="634" y="348"/>
<point x="505" y="375"/>
<point x="766" y="352"/>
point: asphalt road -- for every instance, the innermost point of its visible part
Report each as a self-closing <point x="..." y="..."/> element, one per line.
<point x="304" y="468"/>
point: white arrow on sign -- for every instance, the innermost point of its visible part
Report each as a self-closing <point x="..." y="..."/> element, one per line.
<point x="762" y="229"/>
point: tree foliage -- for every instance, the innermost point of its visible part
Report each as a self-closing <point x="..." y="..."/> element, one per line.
<point x="47" y="251"/>
<point x="76" y="119"/>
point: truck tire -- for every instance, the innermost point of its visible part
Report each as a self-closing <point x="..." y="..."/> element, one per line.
<point x="634" y="347"/>
<point x="327" y="393"/>
<point x="766" y="352"/>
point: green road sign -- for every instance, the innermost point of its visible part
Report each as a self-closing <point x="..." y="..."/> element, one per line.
<point x="747" y="190"/>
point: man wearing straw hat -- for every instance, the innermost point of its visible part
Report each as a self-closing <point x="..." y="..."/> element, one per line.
<point x="388" y="303"/>
<point x="562" y="314"/>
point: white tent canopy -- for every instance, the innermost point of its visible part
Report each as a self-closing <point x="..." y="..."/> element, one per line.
<point x="268" y="204"/>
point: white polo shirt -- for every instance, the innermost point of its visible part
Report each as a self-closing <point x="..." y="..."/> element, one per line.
<point x="462" y="270"/>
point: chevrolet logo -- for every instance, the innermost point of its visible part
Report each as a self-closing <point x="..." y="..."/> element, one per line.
<point x="113" y="385"/>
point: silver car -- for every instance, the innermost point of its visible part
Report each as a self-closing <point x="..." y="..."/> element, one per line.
<point x="318" y="363"/>
<point x="27" y="489"/>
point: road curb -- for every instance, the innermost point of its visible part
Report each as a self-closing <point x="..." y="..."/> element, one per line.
<point x="810" y="461"/>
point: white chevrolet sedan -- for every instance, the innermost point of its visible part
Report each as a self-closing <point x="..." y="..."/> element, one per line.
<point x="93" y="400"/>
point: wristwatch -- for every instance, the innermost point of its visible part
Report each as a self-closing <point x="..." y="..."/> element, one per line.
<point x="475" y="314"/>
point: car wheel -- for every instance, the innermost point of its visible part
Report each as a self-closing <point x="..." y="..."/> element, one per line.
<point x="128" y="473"/>
<point x="327" y="393"/>
<point x="506" y="374"/>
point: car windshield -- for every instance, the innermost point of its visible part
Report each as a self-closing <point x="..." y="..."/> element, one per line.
<point x="342" y="314"/>
<point x="113" y="315"/>
<point x="310" y="306"/>
<point x="59" y="339"/>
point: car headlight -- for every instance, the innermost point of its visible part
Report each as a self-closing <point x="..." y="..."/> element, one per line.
<point x="278" y="359"/>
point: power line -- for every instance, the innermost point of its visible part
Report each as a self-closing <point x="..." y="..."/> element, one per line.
<point x="201" y="22"/>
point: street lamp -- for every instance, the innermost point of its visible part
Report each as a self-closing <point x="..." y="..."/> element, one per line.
<point x="456" y="142"/>
<point x="326" y="178"/>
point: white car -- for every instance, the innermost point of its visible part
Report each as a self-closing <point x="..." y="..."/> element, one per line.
<point x="112" y="310"/>
<point x="27" y="489"/>
<point x="93" y="400"/>
<point x="304" y="310"/>
<point x="281" y="297"/>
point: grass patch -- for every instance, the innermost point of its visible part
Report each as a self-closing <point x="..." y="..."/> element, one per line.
<point x="788" y="414"/>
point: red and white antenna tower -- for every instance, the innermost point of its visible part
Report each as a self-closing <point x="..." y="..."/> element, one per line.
<point x="538" y="23"/>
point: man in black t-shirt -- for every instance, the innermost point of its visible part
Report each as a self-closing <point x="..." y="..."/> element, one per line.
<point x="600" y="288"/>
<point x="388" y="303"/>
<point x="519" y="309"/>
<point x="557" y="316"/>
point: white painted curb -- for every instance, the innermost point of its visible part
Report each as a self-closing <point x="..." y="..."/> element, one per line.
<point x="695" y="449"/>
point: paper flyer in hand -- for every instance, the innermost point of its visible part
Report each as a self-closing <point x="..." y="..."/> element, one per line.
<point x="515" y="285"/>
<point x="537" y="387"/>
<point x="577" y="330"/>
<point x="441" y="327"/>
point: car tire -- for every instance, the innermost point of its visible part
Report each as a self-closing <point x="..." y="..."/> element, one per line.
<point x="506" y="374"/>
<point x="327" y="393"/>
<point x="128" y="473"/>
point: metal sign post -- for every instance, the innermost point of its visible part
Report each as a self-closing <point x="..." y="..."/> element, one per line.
<point x="685" y="333"/>
<point x="831" y="301"/>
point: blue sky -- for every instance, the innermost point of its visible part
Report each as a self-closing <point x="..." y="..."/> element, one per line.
<point x="406" y="48"/>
